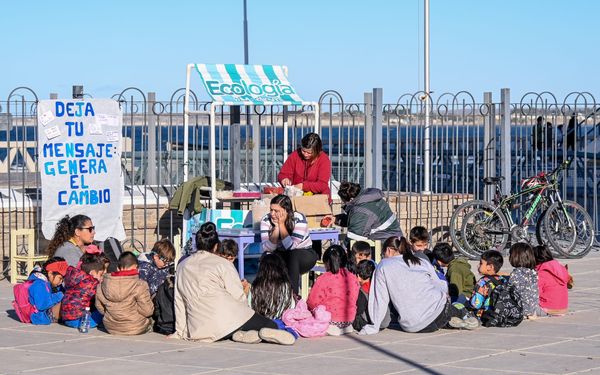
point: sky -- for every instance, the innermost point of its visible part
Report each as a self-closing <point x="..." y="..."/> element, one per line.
<point x="349" y="46"/>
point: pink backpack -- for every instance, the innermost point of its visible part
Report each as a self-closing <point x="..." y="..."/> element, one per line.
<point x="21" y="304"/>
<point x="305" y="322"/>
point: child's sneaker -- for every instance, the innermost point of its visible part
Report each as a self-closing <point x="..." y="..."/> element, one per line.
<point x="468" y="323"/>
<point x="246" y="337"/>
<point x="276" y="336"/>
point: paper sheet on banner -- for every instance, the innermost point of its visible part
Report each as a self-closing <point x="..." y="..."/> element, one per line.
<point x="80" y="164"/>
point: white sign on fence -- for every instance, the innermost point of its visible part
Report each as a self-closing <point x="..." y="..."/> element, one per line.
<point x="79" y="147"/>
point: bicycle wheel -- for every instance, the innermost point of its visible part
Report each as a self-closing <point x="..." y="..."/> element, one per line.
<point x="569" y="229"/>
<point x="456" y="224"/>
<point x="540" y="234"/>
<point x="485" y="229"/>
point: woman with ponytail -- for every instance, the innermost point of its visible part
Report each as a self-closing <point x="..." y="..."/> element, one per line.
<point x="210" y="303"/>
<point x="412" y="286"/>
<point x="285" y="232"/>
<point x="71" y="237"/>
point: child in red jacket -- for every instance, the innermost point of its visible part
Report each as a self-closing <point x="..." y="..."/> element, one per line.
<point x="552" y="282"/>
<point x="337" y="290"/>
<point x="80" y="284"/>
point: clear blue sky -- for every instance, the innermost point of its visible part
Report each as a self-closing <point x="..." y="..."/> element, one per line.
<point x="349" y="46"/>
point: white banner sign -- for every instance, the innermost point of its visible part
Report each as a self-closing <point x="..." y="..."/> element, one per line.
<point x="79" y="147"/>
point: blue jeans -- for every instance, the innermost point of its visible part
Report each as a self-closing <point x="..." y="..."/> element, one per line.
<point x="96" y="318"/>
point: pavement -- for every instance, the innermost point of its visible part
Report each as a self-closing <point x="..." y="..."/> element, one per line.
<point x="557" y="345"/>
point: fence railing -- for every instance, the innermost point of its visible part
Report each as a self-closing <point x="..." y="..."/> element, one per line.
<point x="471" y="138"/>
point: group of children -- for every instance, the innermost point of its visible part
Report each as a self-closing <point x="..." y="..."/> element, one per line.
<point x="129" y="301"/>
<point x="139" y="296"/>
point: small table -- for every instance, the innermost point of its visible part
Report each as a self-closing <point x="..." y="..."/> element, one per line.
<point x="237" y="202"/>
<point x="246" y="236"/>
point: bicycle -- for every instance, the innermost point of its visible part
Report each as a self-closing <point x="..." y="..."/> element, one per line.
<point x="565" y="226"/>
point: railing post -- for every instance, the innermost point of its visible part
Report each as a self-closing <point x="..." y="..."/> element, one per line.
<point x="235" y="145"/>
<point x="368" y="146"/>
<point x="255" y="148"/>
<point x="151" y="162"/>
<point x="489" y="145"/>
<point x="506" y="166"/>
<point x="377" y="138"/>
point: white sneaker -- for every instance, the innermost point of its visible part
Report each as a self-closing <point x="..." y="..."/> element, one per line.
<point x="276" y="336"/>
<point x="468" y="323"/>
<point x="246" y="337"/>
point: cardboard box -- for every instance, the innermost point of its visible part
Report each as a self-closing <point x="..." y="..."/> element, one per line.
<point x="314" y="207"/>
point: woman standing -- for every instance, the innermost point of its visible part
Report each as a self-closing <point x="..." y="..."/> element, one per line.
<point x="210" y="303"/>
<point x="308" y="168"/>
<point x="285" y="232"/>
<point x="369" y="216"/>
<point x="71" y="237"/>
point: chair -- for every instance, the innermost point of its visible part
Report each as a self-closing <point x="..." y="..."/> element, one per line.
<point x="23" y="252"/>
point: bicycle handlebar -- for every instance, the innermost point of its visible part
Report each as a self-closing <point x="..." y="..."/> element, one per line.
<point x="562" y="166"/>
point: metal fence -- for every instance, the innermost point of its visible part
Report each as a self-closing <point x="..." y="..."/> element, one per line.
<point x="372" y="143"/>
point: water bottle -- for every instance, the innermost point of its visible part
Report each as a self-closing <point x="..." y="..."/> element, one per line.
<point x="84" y="323"/>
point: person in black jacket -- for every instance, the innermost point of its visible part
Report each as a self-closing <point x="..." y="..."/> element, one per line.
<point x="164" y="306"/>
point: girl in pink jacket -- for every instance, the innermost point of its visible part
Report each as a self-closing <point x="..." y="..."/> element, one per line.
<point x="552" y="282"/>
<point x="337" y="290"/>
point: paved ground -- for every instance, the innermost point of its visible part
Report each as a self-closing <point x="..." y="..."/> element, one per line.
<point x="569" y="344"/>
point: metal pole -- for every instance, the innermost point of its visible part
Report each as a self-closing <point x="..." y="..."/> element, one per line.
<point x="489" y="144"/>
<point x="427" y="99"/>
<point x="506" y="166"/>
<point x="151" y="166"/>
<point x="377" y="138"/>
<point x="245" y="35"/>
<point x="369" y="149"/>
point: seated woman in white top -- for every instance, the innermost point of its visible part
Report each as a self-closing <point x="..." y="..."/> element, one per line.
<point x="210" y="303"/>
<point x="285" y="232"/>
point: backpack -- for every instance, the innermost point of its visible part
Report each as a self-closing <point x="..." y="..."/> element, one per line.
<point x="506" y="308"/>
<point x="21" y="304"/>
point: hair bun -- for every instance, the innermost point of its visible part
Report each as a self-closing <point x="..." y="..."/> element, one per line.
<point x="208" y="229"/>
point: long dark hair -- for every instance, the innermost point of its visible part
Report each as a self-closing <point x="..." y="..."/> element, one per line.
<point x="542" y="254"/>
<point x="286" y="203"/>
<point x="401" y="246"/>
<point x="311" y="142"/>
<point x="65" y="230"/>
<point x="335" y="259"/>
<point x="271" y="289"/>
<point x="348" y="191"/>
<point x="207" y="237"/>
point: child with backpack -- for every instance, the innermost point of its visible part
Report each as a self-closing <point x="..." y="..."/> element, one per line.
<point x="337" y="290"/>
<point x="461" y="280"/>
<point x="553" y="282"/>
<point x="124" y="299"/>
<point x="37" y="301"/>
<point x="154" y="266"/>
<point x="524" y="278"/>
<point x="80" y="289"/>
<point x="489" y="265"/>
<point x="271" y="291"/>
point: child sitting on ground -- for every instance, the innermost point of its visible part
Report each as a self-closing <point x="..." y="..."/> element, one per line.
<point x="271" y="291"/>
<point x="364" y="274"/>
<point x="359" y="251"/>
<point x="553" y="280"/>
<point x="38" y="299"/>
<point x="419" y="240"/>
<point x="461" y="280"/>
<point x="124" y="299"/>
<point x="337" y="290"/>
<point x="80" y="288"/>
<point x="154" y="267"/>
<point x="524" y="278"/>
<point x="164" y="305"/>
<point x="489" y="265"/>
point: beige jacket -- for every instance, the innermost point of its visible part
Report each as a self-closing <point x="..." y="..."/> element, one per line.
<point x="126" y="304"/>
<point x="209" y="299"/>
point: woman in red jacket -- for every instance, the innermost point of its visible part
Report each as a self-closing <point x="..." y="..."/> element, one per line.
<point x="308" y="168"/>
